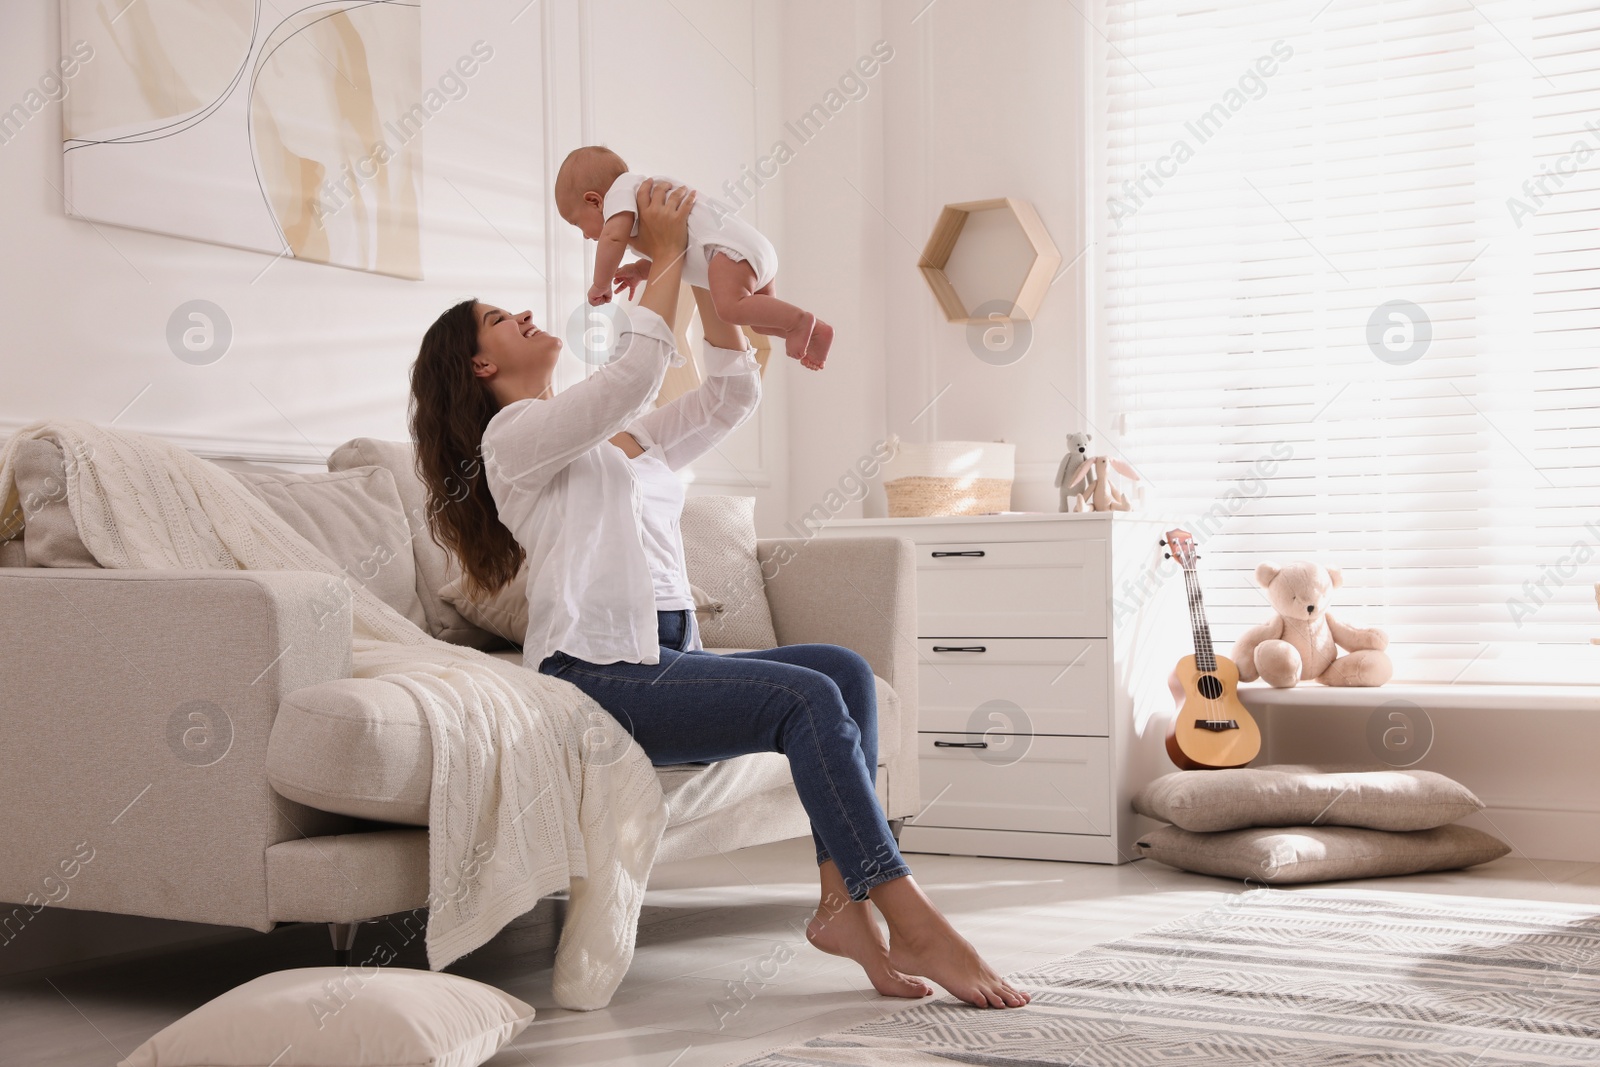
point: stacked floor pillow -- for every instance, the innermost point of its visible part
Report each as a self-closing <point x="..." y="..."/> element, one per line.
<point x="1288" y="823"/>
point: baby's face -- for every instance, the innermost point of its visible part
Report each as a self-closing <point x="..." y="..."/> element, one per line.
<point x="585" y="214"/>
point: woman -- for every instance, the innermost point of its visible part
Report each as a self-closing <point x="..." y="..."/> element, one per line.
<point x="581" y="485"/>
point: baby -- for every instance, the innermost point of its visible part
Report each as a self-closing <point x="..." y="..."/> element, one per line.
<point x="727" y="257"/>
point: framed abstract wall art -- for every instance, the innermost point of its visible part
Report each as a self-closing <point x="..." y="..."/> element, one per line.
<point x="292" y="129"/>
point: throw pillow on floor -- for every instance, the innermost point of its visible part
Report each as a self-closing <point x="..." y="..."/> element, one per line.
<point x="342" y="1017"/>
<point x="1300" y="795"/>
<point x="1289" y="855"/>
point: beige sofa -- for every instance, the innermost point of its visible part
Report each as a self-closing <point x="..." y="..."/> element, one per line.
<point x="198" y="732"/>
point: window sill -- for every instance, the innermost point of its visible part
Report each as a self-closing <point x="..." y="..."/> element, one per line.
<point x="1427" y="697"/>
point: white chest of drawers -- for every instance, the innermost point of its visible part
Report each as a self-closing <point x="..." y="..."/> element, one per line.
<point x="1044" y="644"/>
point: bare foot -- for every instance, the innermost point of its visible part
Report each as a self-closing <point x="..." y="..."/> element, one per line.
<point x="817" y="351"/>
<point x="852" y="932"/>
<point x="796" y="340"/>
<point x="936" y="950"/>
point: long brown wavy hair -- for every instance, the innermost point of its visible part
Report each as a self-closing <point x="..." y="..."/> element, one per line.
<point x="450" y="407"/>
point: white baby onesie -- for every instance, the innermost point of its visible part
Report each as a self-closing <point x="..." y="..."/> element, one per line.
<point x="713" y="227"/>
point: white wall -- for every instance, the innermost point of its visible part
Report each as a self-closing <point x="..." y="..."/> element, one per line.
<point x="981" y="100"/>
<point x="833" y="258"/>
<point x="321" y="354"/>
<point x="691" y="89"/>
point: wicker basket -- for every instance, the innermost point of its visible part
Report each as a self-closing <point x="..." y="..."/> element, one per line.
<point x="950" y="478"/>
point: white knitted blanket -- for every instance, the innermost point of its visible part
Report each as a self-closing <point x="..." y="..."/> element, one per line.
<point x="536" y="788"/>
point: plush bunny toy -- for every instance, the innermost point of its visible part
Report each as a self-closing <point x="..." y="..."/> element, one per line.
<point x="1303" y="641"/>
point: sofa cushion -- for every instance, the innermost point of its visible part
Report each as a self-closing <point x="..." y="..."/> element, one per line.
<point x="12" y="554"/>
<point x="361" y="747"/>
<point x="435" y="566"/>
<point x="719" y="552"/>
<point x="355" y="746"/>
<point x="355" y="518"/>
<point x="505" y="611"/>
<point x="50" y="536"/>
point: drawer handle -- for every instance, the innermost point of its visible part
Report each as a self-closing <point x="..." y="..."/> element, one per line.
<point x="960" y="648"/>
<point x="973" y="552"/>
<point x="961" y="744"/>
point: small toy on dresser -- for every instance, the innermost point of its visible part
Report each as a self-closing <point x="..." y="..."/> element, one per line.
<point x="1067" y="472"/>
<point x="1302" y="641"/>
<point x="1096" y="491"/>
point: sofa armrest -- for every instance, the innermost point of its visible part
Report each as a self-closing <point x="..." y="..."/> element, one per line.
<point x="136" y="711"/>
<point x="859" y="592"/>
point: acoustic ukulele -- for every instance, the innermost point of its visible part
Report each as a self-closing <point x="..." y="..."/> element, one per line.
<point x="1211" y="729"/>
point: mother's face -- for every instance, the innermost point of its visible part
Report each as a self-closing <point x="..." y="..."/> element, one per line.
<point x="511" y="347"/>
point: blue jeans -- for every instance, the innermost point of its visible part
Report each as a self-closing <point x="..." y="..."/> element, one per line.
<point x="815" y="703"/>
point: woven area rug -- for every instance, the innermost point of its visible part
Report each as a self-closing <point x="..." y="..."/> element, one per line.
<point x="1281" y="977"/>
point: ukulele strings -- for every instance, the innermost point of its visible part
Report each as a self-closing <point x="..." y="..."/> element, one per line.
<point x="1205" y="658"/>
<point x="1204" y="653"/>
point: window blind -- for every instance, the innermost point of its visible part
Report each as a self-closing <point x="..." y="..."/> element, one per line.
<point x="1350" y="270"/>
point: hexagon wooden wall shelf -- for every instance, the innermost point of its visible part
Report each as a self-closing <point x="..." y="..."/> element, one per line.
<point x="947" y="232"/>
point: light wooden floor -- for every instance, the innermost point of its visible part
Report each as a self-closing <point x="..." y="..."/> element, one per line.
<point x="722" y="971"/>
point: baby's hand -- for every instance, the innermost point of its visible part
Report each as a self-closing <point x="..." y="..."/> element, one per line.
<point x="632" y="276"/>
<point x="599" y="294"/>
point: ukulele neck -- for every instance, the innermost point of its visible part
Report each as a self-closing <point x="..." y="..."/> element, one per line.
<point x="1205" y="657"/>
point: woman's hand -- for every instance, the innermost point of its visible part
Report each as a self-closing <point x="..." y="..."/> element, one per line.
<point x="663" y="238"/>
<point x="663" y="220"/>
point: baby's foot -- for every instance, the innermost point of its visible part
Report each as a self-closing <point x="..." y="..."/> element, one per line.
<point x="851" y="932"/>
<point x="795" y="340"/>
<point x="949" y="959"/>
<point x="817" y="351"/>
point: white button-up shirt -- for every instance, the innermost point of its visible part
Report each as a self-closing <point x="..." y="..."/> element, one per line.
<point x="576" y="504"/>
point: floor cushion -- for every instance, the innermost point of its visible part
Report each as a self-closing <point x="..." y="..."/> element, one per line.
<point x="1300" y="795"/>
<point x="1288" y="855"/>
<point x="370" y="1016"/>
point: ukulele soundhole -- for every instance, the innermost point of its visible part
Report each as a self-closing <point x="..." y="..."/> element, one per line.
<point x="1209" y="687"/>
